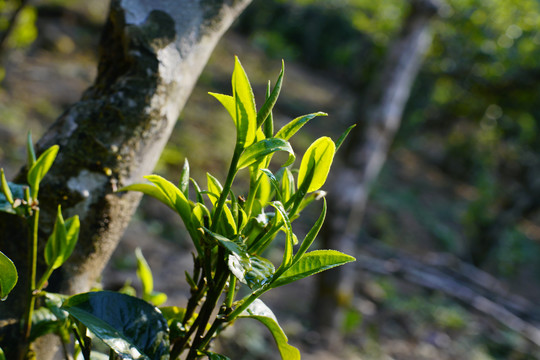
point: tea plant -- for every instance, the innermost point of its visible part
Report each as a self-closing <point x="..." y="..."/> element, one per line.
<point x="230" y="233"/>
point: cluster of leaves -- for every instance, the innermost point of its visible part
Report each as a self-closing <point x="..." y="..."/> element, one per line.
<point x="230" y="234"/>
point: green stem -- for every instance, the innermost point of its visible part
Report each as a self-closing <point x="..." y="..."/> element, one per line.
<point x="227" y="186"/>
<point x="209" y="305"/>
<point x="32" y="266"/>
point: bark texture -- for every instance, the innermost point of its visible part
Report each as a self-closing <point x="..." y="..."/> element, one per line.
<point x="151" y="54"/>
<point x="364" y="156"/>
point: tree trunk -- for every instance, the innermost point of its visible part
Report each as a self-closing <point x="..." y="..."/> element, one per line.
<point x="363" y="158"/>
<point x="151" y="54"/>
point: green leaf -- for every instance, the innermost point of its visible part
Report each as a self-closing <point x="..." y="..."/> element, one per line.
<point x="2" y="355"/>
<point x="174" y="196"/>
<point x="268" y="105"/>
<point x="184" y="179"/>
<point x="56" y="243"/>
<point x="214" y="187"/>
<point x="312" y="263"/>
<point x="214" y="356"/>
<point x="260" y="149"/>
<point x="17" y="192"/>
<point x="131" y="327"/>
<point x="31" y="154"/>
<point x="311" y="235"/>
<point x="261" y="272"/>
<point x="62" y="241"/>
<point x="228" y="223"/>
<point x="287" y="185"/>
<point x="259" y="311"/>
<point x="318" y="156"/>
<point x="274" y="182"/>
<point x="287" y="131"/>
<point x="288" y="252"/>
<point x="8" y="275"/>
<point x="228" y="102"/>
<point x="40" y="169"/>
<point x="5" y="188"/>
<point x="246" y="115"/>
<point x="151" y="190"/>
<point x="145" y="274"/>
<point x="268" y="124"/>
<point x="344" y="136"/>
<point x="44" y="322"/>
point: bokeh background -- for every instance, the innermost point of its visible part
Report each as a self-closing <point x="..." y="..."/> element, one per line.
<point x="458" y="198"/>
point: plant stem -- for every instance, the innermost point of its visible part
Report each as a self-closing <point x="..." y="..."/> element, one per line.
<point x="227" y="186"/>
<point x="222" y="274"/>
<point x="32" y="266"/>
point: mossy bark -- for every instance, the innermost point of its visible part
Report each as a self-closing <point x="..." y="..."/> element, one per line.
<point x="151" y="54"/>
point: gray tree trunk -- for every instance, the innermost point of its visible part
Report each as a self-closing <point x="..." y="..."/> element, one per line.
<point x="151" y="54"/>
<point x="363" y="158"/>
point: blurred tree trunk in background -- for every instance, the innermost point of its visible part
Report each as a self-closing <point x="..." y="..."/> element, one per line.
<point x="151" y="54"/>
<point x="362" y="160"/>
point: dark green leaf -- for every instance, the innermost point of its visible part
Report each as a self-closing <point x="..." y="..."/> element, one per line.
<point x="131" y="327"/>
<point x="344" y="136"/>
<point x="287" y="131"/>
<point x="40" y="169"/>
<point x="312" y="263"/>
<point x="259" y="311"/>
<point x="31" y="154"/>
<point x="214" y="356"/>
<point x="8" y="275"/>
<point x="260" y="149"/>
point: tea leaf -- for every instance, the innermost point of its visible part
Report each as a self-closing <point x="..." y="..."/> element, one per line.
<point x="5" y="188"/>
<point x="344" y="136"/>
<point x="261" y="272"/>
<point x="259" y="311"/>
<point x="228" y="103"/>
<point x="151" y="190"/>
<point x="318" y="156"/>
<point x="312" y="263"/>
<point x="246" y="115"/>
<point x="30" y="150"/>
<point x="311" y="235"/>
<point x="214" y="187"/>
<point x="144" y="273"/>
<point x="260" y="149"/>
<point x="268" y="105"/>
<point x="175" y="197"/>
<point x="40" y="168"/>
<point x="8" y="275"/>
<point x="288" y="252"/>
<point x="131" y="327"/>
<point x="287" y="131"/>
<point x="56" y="242"/>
